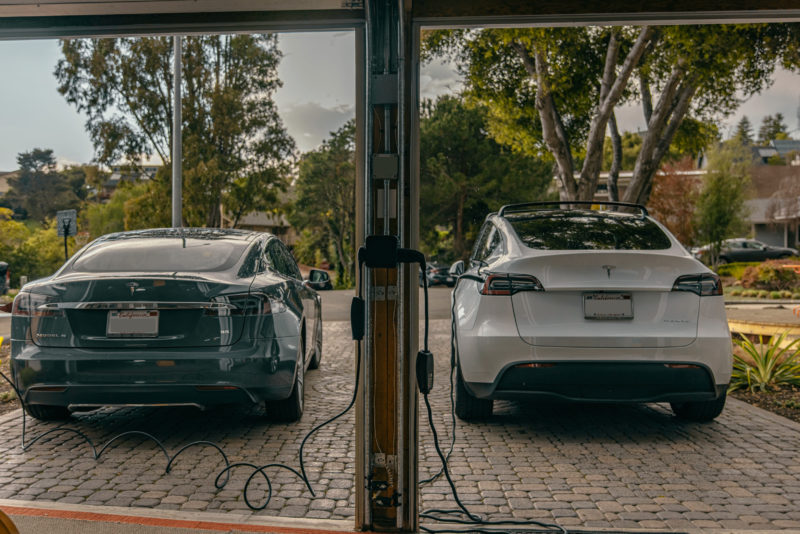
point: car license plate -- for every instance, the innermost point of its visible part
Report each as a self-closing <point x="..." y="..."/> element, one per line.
<point x="608" y="306"/>
<point x="132" y="323"/>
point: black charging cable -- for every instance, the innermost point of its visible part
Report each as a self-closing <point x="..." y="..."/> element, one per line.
<point x="462" y="515"/>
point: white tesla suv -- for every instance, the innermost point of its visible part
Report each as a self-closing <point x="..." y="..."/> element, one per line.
<point x="562" y="301"/>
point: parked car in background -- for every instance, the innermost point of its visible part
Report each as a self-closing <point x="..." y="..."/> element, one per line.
<point x="437" y="274"/>
<point x="193" y="316"/>
<point x="579" y="304"/>
<point x="5" y="278"/>
<point x="319" y="280"/>
<point x="740" y="249"/>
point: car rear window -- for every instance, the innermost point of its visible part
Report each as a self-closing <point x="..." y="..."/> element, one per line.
<point x="588" y="231"/>
<point x="161" y="255"/>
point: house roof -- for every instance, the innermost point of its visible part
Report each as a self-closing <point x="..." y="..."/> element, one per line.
<point x="769" y="179"/>
<point x="784" y="146"/>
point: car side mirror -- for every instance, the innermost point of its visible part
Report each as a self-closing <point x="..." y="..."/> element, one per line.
<point x="457" y="268"/>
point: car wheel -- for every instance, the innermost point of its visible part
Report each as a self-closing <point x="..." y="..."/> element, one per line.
<point x="290" y="409"/>
<point x="47" y="413"/>
<point x="317" y="357"/>
<point x="469" y="408"/>
<point x="702" y="411"/>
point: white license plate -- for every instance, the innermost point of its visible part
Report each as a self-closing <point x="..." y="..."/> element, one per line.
<point x="132" y="323"/>
<point x="608" y="306"/>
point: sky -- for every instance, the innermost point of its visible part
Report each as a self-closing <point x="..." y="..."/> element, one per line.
<point x="317" y="97"/>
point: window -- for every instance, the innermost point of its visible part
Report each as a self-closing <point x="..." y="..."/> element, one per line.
<point x="570" y="230"/>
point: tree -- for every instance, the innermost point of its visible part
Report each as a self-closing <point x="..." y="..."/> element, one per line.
<point x="554" y="90"/>
<point x="673" y="199"/>
<point x="720" y="212"/>
<point x="236" y="150"/>
<point x="325" y="202"/>
<point x="38" y="189"/>
<point x="772" y="127"/>
<point x="99" y="219"/>
<point x="465" y="174"/>
<point x="744" y="131"/>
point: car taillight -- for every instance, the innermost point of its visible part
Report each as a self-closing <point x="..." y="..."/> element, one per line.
<point x="705" y="285"/>
<point x="509" y="284"/>
<point x="251" y="304"/>
<point x="34" y="305"/>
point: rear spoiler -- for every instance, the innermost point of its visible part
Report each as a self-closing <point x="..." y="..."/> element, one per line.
<point x="533" y="206"/>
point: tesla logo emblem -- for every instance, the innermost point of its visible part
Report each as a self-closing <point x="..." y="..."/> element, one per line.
<point x="608" y="268"/>
<point x="132" y="286"/>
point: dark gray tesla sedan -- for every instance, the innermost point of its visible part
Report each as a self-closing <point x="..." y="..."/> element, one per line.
<point x="193" y="316"/>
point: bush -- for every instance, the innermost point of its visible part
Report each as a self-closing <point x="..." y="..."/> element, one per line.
<point x="765" y="366"/>
<point x="786" y="294"/>
<point x="772" y="276"/>
<point x="775" y="294"/>
<point x="796" y="296"/>
<point x="762" y="294"/>
<point x="749" y="293"/>
<point x="736" y="293"/>
<point x="736" y="269"/>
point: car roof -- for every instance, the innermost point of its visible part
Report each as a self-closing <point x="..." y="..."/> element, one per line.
<point x="191" y="233"/>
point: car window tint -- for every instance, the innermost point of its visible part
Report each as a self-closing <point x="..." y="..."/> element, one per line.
<point x="275" y="259"/>
<point x="291" y="266"/>
<point x="168" y="254"/>
<point x="252" y="262"/>
<point x="582" y="231"/>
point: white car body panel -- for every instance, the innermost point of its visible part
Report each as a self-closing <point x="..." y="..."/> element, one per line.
<point x="496" y="332"/>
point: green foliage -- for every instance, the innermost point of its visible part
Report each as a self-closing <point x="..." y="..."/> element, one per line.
<point x="38" y="190"/>
<point x="465" y="174"/>
<point x="771" y="276"/>
<point x="236" y="151"/>
<point x="744" y="131"/>
<point x="526" y="76"/>
<point x="720" y="212"/>
<point x="32" y="253"/>
<point x="325" y="203"/>
<point x="101" y="219"/>
<point x="736" y="269"/>
<point x="765" y="366"/>
<point x="772" y="127"/>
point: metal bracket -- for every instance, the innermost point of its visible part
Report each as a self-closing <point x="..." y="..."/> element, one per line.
<point x="391" y="294"/>
<point x="388" y="502"/>
<point x="384" y="89"/>
<point x="378" y="293"/>
<point x="384" y="166"/>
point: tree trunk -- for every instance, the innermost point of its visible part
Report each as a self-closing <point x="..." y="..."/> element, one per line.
<point x="611" y="89"/>
<point x="616" y="160"/>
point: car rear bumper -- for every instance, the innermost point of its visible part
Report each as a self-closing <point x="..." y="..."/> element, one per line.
<point x="602" y="382"/>
<point x="260" y="370"/>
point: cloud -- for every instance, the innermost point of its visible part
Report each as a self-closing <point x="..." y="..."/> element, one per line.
<point x="310" y="122"/>
<point x="439" y="77"/>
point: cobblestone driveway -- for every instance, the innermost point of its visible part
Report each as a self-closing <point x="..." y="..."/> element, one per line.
<point x="588" y="466"/>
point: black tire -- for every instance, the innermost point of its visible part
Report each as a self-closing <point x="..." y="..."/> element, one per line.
<point x="317" y="357"/>
<point x="290" y="409"/>
<point x="701" y="411"/>
<point x="47" y="413"/>
<point x="469" y="408"/>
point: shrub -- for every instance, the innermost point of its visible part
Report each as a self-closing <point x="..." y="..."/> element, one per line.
<point x="765" y="366"/>
<point x="796" y="296"/>
<point x="736" y="293"/>
<point x="786" y="294"/>
<point x="771" y="275"/>
<point x="762" y="294"/>
<point x="749" y="293"/>
<point x="736" y="269"/>
<point x="774" y="294"/>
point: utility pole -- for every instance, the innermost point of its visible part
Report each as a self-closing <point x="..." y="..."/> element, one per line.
<point x="177" y="139"/>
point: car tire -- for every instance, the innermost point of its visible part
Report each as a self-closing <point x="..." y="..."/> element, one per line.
<point x="290" y="410"/>
<point x="47" y="413"/>
<point x="701" y="411"/>
<point x="317" y="357"/>
<point x="468" y="407"/>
